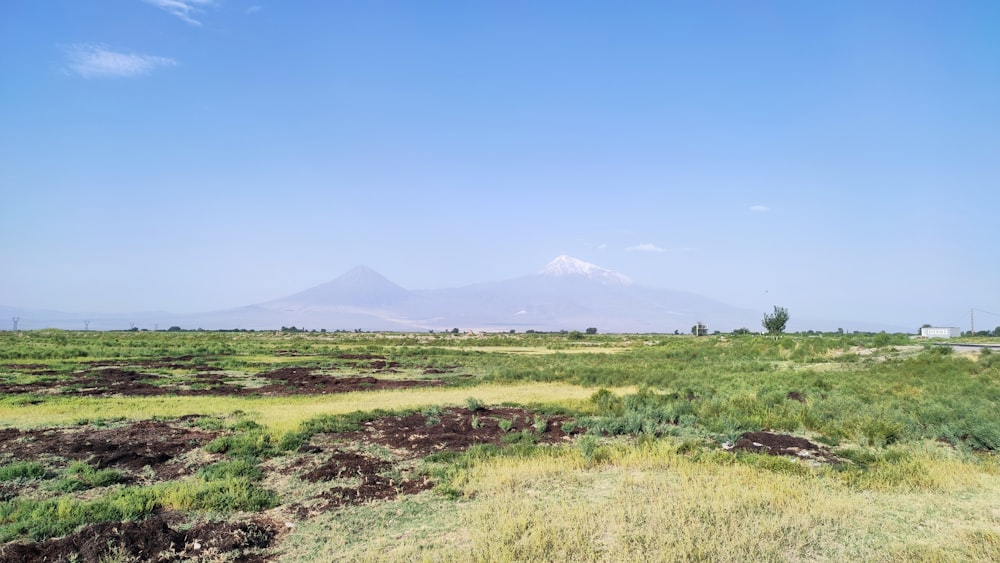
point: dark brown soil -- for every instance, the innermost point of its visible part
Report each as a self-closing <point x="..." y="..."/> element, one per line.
<point x="453" y="430"/>
<point x="354" y="476"/>
<point x="373" y="487"/>
<point x="796" y="396"/>
<point x="783" y="444"/>
<point x="369" y="471"/>
<point x="411" y="437"/>
<point x="133" y="447"/>
<point x="152" y="540"/>
<point x="283" y="381"/>
<point x="345" y="465"/>
<point x="301" y="381"/>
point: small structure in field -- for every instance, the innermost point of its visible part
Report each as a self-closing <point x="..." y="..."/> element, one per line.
<point x="940" y="331"/>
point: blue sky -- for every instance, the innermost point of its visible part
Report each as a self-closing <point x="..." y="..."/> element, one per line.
<point x="841" y="159"/>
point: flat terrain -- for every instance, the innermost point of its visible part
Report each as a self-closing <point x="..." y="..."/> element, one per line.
<point x="351" y="446"/>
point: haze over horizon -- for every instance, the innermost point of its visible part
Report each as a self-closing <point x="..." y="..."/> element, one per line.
<point x="840" y="160"/>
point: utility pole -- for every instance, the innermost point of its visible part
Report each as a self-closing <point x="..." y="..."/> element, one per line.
<point x="972" y="320"/>
<point x="15" y="319"/>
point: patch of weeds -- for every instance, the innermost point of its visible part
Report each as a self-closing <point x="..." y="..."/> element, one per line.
<point x="879" y="431"/>
<point x="27" y="399"/>
<point x="245" y="425"/>
<point x="524" y="437"/>
<point x="228" y="494"/>
<point x="688" y="447"/>
<point x="80" y="476"/>
<point x="568" y="426"/>
<point x="475" y="422"/>
<point x="506" y="424"/>
<point x="209" y="423"/>
<point x="243" y="467"/>
<point x="474" y="404"/>
<point x="589" y="448"/>
<point x="540" y="424"/>
<point x="606" y="402"/>
<point x="332" y="424"/>
<point x="99" y="422"/>
<point x="446" y="456"/>
<point x="42" y="519"/>
<point x="38" y="520"/>
<point x="254" y="443"/>
<point x="22" y="470"/>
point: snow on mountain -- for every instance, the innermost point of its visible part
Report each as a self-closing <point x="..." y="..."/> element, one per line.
<point x="568" y="266"/>
<point x="567" y="294"/>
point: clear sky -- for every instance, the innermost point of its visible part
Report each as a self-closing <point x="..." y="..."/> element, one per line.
<point x="839" y="158"/>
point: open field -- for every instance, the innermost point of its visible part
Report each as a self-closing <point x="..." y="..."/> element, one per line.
<point x="353" y="446"/>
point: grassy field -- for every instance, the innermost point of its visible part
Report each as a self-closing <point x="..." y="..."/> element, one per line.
<point x="612" y="447"/>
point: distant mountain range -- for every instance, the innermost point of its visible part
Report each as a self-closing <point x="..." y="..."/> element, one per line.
<point x="567" y="294"/>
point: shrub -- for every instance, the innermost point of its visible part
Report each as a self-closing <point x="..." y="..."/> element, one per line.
<point x="21" y="470"/>
<point x="243" y="467"/>
<point x="255" y="443"/>
<point x="474" y="404"/>
<point x="505" y="424"/>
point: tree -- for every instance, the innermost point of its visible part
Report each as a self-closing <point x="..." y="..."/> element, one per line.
<point x="775" y="322"/>
<point x="592" y="330"/>
<point x="699" y="329"/>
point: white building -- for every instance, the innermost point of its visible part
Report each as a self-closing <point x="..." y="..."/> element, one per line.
<point x="940" y="331"/>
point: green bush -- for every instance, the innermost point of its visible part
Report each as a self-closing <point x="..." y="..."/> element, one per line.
<point x="22" y="470"/>
<point x="237" y="468"/>
<point x="254" y="443"/>
<point x="80" y="476"/>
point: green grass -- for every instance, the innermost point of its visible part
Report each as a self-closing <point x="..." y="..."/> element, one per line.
<point x="19" y="470"/>
<point x="915" y="428"/>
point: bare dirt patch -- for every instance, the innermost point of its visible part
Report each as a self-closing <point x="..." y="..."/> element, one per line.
<point x="783" y="445"/>
<point x="411" y="437"/>
<point x="299" y="381"/>
<point x="151" y="540"/>
<point x="796" y="396"/>
<point x="175" y="362"/>
<point x="459" y="428"/>
<point x="147" y="443"/>
<point x="109" y="381"/>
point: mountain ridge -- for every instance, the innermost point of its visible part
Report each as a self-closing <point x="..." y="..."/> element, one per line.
<point x="566" y="294"/>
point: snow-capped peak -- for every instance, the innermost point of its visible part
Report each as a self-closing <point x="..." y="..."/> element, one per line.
<point x="568" y="266"/>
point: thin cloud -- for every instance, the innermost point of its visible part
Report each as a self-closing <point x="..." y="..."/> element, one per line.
<point x="95" y="61"/>
<point x="645" y="247"/>
<point x="759" y="208"/>
<point x="183" y="9"/>
<point x="253" y="9"/>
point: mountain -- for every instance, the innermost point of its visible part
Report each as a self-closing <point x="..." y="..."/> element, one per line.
<point x="570" y="294"/>
<point x="566" y="266"/>
<point x="566" y="294"/>
<point x="360" y="288"/>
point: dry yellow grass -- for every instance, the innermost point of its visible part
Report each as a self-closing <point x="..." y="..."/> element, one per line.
<point x="649" y="503"/>
<point x="280" y="414"/>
